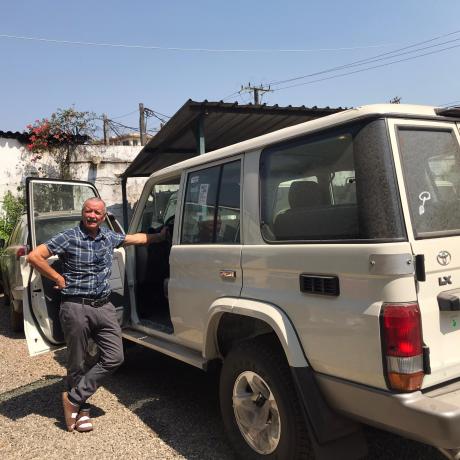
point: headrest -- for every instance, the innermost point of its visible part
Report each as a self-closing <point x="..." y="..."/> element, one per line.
<point x="304" y="193"/>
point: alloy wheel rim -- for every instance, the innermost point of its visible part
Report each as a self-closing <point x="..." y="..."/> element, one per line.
<point x="256" y="412"/>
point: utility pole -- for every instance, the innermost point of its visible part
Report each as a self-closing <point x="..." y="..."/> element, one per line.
<point x="105" y="127"/>
<point x="142" y="123"/>
<point x="257" y="90"/>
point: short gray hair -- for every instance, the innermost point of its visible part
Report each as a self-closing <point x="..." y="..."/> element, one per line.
<point x="94" y="199"/>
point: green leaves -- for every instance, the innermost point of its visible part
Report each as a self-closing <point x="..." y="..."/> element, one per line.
<point x="59" y="135"/>
<point x="13" y="207"/>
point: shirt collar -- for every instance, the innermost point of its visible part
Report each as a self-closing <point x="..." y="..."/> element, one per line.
<point x="87" y="236"/>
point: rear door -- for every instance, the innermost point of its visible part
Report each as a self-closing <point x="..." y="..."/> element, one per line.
<point x="429" y="171"/>
<point x="54" y="206"/>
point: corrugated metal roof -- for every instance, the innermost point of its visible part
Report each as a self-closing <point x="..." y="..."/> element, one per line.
<point x="224" y="124"/>
<point x="21" y="137"/>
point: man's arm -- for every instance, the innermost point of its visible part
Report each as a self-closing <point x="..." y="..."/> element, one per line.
<point x="38" y="259"/>
<point x="145" y="238"/>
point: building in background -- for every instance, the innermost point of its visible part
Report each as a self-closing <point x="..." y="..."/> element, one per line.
<point x="133" y="140"/>
<point x="102" y="165"/>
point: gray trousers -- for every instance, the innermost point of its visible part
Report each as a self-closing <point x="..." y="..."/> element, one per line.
<point x="79" y="323"/>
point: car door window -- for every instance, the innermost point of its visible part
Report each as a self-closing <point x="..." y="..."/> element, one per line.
<point x="212" y="205"/>
<point x="160" y="206"/>
<point x="228" y="210"/>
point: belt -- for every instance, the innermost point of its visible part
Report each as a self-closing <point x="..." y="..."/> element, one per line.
<point x="93" y="302"/>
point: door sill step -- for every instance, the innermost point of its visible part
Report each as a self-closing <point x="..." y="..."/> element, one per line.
<point x="165" y="328"/>
<point x="166" y="347"/>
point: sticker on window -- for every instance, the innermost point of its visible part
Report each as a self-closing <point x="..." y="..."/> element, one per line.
<point x="424" y="196"/>
<point x="194" y="179"/>
<point x="203" y="196"/>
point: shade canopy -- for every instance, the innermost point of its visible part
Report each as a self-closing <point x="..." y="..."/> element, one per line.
<point x="199" y="127"/>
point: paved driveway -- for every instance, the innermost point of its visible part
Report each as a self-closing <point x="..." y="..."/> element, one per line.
<point x="152" y="408"/>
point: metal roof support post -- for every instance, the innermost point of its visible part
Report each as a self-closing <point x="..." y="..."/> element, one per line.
<point x="199" y="136"/>
<point x="124" y="180"/>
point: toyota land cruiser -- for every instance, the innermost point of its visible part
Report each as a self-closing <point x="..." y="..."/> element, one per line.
<point x="318" y="264"/>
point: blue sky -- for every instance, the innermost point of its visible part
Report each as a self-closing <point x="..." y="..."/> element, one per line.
<point x="39" y="77"/>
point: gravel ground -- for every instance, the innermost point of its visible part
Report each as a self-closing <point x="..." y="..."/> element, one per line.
<point x="152" y="408"/>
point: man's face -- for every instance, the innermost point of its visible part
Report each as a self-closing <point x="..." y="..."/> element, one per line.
<point x="93" y="215"/>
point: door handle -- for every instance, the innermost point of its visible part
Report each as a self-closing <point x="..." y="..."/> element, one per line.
<point x="227" y="274"/>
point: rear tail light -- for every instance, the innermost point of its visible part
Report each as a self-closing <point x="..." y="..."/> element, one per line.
<point x="403" y="346"/>
<point x="21" y="251"/>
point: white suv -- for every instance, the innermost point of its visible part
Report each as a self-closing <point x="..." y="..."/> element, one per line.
<point x="319" y="265"/>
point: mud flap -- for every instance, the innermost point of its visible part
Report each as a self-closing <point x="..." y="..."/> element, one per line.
<point x="332" y="435"/>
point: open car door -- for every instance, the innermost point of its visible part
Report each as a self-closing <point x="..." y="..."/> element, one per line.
<point x="52" y="207"/>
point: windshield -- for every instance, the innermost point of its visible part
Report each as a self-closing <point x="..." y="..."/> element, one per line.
<point x="431" y="163"/>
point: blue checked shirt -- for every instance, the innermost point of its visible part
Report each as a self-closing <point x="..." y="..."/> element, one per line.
<point x="86" y="262"/>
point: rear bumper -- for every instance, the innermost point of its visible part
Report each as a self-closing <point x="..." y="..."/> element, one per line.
<point x="432" y="417"/>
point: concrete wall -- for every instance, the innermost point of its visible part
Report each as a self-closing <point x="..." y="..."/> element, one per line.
<point x="101" y="165"/>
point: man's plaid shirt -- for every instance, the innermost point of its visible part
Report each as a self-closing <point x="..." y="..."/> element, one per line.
<point x="86" y="261"/>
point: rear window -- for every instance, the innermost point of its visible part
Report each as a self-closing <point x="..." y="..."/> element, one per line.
<point x="431" y="164"/>
<point x="334" y="186"/>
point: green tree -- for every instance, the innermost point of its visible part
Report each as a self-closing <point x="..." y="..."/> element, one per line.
<point x="13" y="207"/>
<point x="60" y="134"/>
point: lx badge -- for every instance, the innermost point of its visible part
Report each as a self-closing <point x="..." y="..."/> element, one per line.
<point x="443" y="280"/>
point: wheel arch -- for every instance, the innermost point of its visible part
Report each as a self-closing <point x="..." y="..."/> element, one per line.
<point x="330" y="433"/>
<point x="234" y="319"/>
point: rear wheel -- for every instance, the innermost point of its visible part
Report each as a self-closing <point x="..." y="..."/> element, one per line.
<point x="260" y="409"/>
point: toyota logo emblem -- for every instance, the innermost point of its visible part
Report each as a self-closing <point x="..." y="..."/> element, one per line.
<point x="443" y="258"/>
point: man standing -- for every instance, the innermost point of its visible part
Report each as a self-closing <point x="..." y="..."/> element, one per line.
<point x="86" y="252"/>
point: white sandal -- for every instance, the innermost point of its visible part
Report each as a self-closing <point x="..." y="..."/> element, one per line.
<point x="84" y="422"/>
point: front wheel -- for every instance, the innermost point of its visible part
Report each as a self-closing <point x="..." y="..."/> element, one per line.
<point x="259" y="404"/>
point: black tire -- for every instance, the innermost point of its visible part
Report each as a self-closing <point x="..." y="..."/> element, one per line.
<point x="265" y="359"/>
<point x="16" y="319"/>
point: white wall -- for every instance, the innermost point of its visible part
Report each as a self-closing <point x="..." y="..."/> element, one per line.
<point x="101" y="165"/>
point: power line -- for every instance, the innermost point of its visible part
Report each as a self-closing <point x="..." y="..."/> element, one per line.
<point x="208" y="50"/>
<point x="236" y="93"/>
<point x="152" y="113"/>
<point x="367" y="68"/>
<point x="125" y="115"/>
<point x="121" y="125"/>
<point x="162" y="114"/>
<point x="361" y="62"/>
<point x="379" y="57"/>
